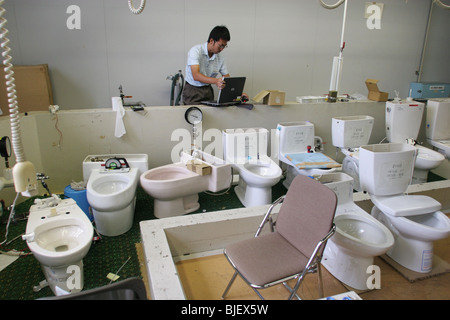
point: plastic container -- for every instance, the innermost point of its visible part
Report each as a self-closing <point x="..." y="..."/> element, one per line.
<point x="80" y="198"/>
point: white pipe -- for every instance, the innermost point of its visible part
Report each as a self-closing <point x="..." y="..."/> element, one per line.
<point x="425" y="43"/>
<point x="336" y="71"/>
<point x="343" y="28"/>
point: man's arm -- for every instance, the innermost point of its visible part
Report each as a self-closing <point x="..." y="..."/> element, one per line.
<point x="198" y="76"/>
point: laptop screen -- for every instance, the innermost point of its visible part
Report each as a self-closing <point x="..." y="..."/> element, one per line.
<point x="234" y="86"/>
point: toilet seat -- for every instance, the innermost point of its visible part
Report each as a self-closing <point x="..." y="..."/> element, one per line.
<point x="265" y="172"/>
<point x="406" y="205"/>
<point x="110" y="190"/>
<point x="58" y="235"/>
<point x="366" y="231"/>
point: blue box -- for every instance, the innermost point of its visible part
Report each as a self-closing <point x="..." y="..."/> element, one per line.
<point x="425" y="90"/>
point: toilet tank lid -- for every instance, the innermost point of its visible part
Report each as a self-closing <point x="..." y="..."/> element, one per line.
<point x="406" y="205"/>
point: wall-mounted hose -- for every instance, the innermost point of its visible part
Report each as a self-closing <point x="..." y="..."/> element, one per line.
<point x="24" y="174"/>
<point x="178" y="77"/>
<point x="11" y="90"/>
<point x="331" y="6"/>
<point x="133" y="9"/>
<point x="440" y="4"/>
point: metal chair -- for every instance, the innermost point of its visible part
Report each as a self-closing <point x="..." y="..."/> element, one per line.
<point x="295" y="244"/>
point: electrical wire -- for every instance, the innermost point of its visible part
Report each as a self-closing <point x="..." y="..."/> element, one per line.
<point x="120" y="269"/>
<point x="11" y="217"/>
<point x="59" y="131"/>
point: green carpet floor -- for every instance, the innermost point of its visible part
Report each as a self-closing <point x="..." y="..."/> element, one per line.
<point x="108" y="255"/>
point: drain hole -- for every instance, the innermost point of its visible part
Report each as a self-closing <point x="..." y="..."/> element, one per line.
<point x="62" y="248"/>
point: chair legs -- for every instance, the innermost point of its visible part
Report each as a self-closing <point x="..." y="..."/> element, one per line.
<point x="320" y="280"/>
<point x="292" y="291"/>
<point x="229" y="284"/>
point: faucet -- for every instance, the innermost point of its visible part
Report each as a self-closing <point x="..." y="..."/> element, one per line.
<point x="41" y="177"/>
<point x="196" y="154"/>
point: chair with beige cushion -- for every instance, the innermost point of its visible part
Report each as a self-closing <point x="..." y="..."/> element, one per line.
<point x="296" y="243"/>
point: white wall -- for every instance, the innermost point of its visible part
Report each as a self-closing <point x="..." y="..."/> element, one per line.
<point x="284" y="44"/>
<point x="155" y="132"/>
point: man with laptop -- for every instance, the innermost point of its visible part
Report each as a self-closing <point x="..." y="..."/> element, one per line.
<point x="206" y="67"/>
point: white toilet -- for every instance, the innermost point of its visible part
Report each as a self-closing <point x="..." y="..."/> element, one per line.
<point x="348" y="134"/>
<point x="111" y="189"/>
<point x="246" y="151"/>
<point x="59" y="234"/>
<point x="437" y="131"/>
<point x="414" y="220"/>
<point x="403" y="122"/>
<point x="175" y="188"/>
<point x="296" y="144"/>
<point x="358" y="239"/>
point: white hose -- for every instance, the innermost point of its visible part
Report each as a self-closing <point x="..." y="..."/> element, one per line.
<point x="440" y="4"/>
<point x="331" y="6"/>
<point x="133" y="9"/>
<point x="16" y="139"/>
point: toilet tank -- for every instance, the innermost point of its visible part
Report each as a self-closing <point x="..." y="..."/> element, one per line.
<point x="403" y="120"/>
<point x="295" y="137"/>
<point x="351" y="131"/>
<point x="438" y="119"/>
<point x="387" y="168"/>
<point x="91" y="162"/>
<point x="242" y="145"/>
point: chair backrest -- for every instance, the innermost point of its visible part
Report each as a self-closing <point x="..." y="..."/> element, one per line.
<point x="307" y="213"/>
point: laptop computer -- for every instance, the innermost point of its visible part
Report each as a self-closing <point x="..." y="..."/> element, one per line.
<point x="234" y="86"/>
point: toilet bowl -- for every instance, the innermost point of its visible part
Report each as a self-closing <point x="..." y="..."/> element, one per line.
<point x="59" y="234"/>
<point x="426" y="160"/>
<point x="296" y="150"/>
<point x="111" y="190"/>
<point x="414" y="220"/>
<point x="403" y="122"/>
<point x="348" y="134"/>
<point x="246" y="151"/>
<point x="175" y="188"/>
<point x="414" y="237"/>
<point x="437" y="132"/>
<point x="358" y="239"/>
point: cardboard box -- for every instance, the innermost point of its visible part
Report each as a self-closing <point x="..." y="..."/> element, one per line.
<point x="270" y="97"/>
<point x="374" y="93"/>
<point x="33" y="88"/>
<point x="198" y="167"/>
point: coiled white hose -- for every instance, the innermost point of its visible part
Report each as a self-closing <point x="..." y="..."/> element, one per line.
<point x="16" y="139"/>
<point x="331" y="6"/>
<point x="440" y="4"/>
<point x="133" y="9"/>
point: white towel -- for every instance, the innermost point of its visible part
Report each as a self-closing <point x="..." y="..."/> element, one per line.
<point x="118" y="107"/>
